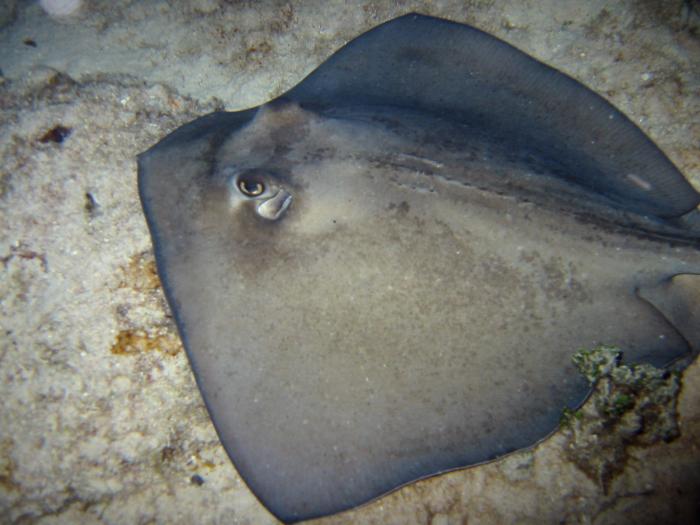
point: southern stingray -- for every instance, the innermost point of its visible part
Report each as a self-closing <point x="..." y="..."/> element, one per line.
<point x="383" y="273"/>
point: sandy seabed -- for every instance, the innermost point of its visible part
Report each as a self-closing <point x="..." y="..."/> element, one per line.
<point x="101" y="420"/>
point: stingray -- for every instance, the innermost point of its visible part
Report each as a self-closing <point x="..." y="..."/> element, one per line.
<point x="383" y="274"/>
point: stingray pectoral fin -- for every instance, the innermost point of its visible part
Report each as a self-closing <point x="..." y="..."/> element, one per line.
<point x="461" y="73"/>
<point x="678" y="299"/>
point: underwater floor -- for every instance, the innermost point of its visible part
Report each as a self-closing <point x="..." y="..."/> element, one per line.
<point x="101" y="421"/>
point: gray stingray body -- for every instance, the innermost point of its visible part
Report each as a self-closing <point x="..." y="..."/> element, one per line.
<point x="383" y="274"/>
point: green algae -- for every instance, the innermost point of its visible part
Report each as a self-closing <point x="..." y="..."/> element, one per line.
<point x="630" y="405"/>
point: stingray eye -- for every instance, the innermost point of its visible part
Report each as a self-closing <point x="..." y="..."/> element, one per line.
<point x="251" y="188"/>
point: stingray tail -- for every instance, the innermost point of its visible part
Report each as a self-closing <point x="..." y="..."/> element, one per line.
<point x="678" y="300"/>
